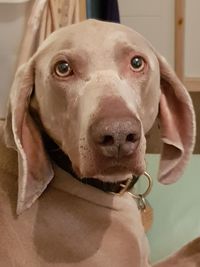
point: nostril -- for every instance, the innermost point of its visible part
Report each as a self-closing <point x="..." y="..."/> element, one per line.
<point x="107" y="140"/>
<point x="131" y="138"/>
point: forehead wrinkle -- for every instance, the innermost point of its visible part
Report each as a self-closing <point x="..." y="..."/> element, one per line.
<point x="73" y="54"/>
<point x="126" y="47"/>
<point x="123" y="48"/>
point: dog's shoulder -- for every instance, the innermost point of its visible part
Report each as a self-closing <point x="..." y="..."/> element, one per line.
<point x="8" y="157"/>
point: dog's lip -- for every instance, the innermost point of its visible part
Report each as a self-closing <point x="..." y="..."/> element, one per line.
<point x="122" y="169"/>
<point x="110" y="174"/>
<point x="115" y="174"/>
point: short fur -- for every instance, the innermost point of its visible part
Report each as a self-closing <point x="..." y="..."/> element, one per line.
<point x="72" y="224"/>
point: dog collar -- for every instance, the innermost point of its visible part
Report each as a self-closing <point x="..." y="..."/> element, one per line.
<point x="118" y="188"/>
<point x="109" y="187"/>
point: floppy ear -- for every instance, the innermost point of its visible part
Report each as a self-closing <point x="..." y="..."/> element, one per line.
<point x="21" y="133"/>
<point x="177" y="125"/>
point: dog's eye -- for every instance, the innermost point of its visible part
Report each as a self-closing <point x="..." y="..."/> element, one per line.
<point x="62" y="69"/>
<point x="137" y="63"/>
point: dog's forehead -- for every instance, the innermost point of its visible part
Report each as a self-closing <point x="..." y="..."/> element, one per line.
<point x="93" y="35"/>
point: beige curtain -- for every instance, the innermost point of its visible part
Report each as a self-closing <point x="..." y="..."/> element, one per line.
<point x="47" y="16"/>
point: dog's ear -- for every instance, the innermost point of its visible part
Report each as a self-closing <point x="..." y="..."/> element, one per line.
<point x="177" y="124"/>
<point x="22" y="134"/>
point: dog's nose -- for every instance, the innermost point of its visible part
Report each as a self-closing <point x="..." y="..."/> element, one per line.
<point x="116" y="138"/>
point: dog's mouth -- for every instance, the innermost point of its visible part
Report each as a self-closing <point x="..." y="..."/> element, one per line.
<point x="116" y="173"/>
<point x="109" y="180"/>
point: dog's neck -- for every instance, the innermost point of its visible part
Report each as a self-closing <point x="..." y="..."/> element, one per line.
<point x="63" y="161"/>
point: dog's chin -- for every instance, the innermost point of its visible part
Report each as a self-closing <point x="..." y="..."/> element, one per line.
<point x="113" y="177"/>
<point x="115" y="174"/>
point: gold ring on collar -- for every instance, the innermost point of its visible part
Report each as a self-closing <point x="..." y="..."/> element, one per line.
<point x="147" y="191"/>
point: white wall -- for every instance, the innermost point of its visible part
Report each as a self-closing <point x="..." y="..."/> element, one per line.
<point x="154" y="19"/>
<point x="12" y="23"/>
<point x="192" y="38"/>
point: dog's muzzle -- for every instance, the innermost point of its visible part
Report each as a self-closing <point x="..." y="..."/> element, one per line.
<point x="115" y="188"/>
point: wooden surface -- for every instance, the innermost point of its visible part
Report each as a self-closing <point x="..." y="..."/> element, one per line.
<point x="82" y="10"/>
<point x="179" y="37"/>
<point x="192" y="84"/>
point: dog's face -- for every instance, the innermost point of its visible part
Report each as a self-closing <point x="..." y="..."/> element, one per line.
<point x="97" y="88"/>
<point x="98" y="94"/>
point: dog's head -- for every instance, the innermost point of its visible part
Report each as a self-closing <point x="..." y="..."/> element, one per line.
<point x="97" y="89"/>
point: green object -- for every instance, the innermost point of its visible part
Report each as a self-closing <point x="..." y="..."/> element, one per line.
<point x="176" y="209"/>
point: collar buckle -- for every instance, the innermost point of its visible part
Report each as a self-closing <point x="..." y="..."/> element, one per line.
<point x="127" y="187"/>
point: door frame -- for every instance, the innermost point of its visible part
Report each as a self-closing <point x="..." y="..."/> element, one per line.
<point x="191" y="83"/>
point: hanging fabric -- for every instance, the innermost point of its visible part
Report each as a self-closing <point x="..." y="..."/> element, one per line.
<point x="47" y="16"/>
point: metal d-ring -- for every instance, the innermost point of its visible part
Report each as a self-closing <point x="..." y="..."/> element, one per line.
<point x="143" y="195"/>
<point x="125" y="187"/>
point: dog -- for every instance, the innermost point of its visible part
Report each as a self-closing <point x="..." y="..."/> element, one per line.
<point x="78" y="113"/>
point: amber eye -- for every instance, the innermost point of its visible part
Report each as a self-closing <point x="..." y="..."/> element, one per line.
<point x="137" y="63"/>
<point x="62" y="69"/>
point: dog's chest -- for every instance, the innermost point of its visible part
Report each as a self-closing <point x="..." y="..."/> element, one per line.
<point x="81" y="233"/>
<point x="61" y="229"/>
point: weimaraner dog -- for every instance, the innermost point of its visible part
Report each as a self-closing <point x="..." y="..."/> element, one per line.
<point x="81" y="107"/>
